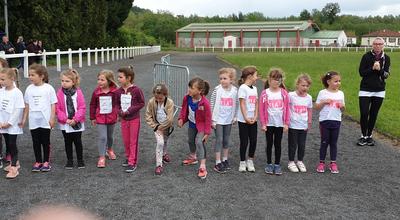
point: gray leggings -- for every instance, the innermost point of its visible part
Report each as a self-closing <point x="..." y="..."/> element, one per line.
<point x="105" y="139"/>
<point x="196" y="144"/>
<point x="222" y="137"/>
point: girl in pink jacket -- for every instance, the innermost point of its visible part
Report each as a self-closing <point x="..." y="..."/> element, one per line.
<point x="274" y="117"/>
<point x="71" y="110"/>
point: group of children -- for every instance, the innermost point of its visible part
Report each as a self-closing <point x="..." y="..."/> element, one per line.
<point x="277" y="110"/>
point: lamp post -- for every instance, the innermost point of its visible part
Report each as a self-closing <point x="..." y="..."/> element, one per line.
<point x="6" y="17"/>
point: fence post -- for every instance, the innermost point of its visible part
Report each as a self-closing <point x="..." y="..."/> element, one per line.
<point x="391" y="49"/>
<point x="88" y="57"/>
<point x="58" y="58"/>
<point x="44" y="61"/>
<point x="95" y="56"/>
<point x="108" y="54"/>
<point x="323" y="49"/>
<point x="274" y="48"/>
<point x="348" y="49"/>
<point x="102" y="55"/>
<point x="117" y="53"/>
<point x="195" y="49"/>
<point x="252" y="49"/>
<point x="356" y="49"/>
<point x="242" y="49"/>
<point x="80" y="57"/>
<point x="70" y="58"/>
<point x="365" y="49"/>
<point x="223" y="49"/>
<point x="315" y="49"/>
<point x="26" y="63"/>
<point x="213" y="49"/>
<point x="112" y="54"/>
<point x="298" y="49"/>
<point x="259" y="49"/>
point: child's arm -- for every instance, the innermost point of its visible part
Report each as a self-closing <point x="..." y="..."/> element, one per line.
<point x="93" y="107"/>
<point x="309" y="112"/>
<point x="14" y="118"/>
<point x="52" y="121"/>
<point x="25" y="116"/>
<point x="322" y="103"/>
<point x="138" y="102"/>
<point x="149" y="116"/>
<point x="184" y="112"/>
<point x="208" y="122"/>
<point x="243" y="110"/>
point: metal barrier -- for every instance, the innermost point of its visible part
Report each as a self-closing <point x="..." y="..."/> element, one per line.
<point x="166" y="59"/>
<point x="176" y="78"/>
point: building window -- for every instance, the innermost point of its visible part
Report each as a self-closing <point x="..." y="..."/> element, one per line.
<point x="392" y="40"/>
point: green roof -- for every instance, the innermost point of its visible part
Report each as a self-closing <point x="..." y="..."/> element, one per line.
<point x="326" y="35"/>
<point x="249" y="26"/>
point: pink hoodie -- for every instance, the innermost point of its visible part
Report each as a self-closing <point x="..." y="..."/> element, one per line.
<point x="263" y="107"/>
<point x="61" y="109"/>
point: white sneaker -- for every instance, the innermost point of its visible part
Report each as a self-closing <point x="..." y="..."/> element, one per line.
<point x="242" y="166"/>
<point x="301" y="166"/>
<point x="292" y="167"/>
<point x="250" y="166"/>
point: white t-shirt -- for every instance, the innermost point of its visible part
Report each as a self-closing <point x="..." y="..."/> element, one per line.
<point x="65" y="127"/>
<point x="11" y="110"/>
<point x="250" y="97"/>
<point x="275" y="108"/>
<point x="298" y="107"/>
<point x="40" y="99"/>
<point x="161" y="115"/>
<point x="226" y="110"/>
<point x="331" y="111"/>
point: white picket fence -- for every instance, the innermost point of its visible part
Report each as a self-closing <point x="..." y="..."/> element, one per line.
<point x="100" y="55"/>
<point x="288" y="49"/>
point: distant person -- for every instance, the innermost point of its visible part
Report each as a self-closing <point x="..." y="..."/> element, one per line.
<point x="7" y="47"/>
<point x="41" y="49"/>
<point x="374" y="70"/>
<point x="33" y="48"/>
<point x="20" y="47"/>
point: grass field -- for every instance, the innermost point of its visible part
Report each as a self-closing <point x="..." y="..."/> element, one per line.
<point x="316" y="64"/>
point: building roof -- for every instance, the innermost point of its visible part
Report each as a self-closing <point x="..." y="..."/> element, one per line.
<point x="326" y="35"/>
<point x="350" y="34"/>
<point x="383" y="33"/>
<point x="249" y="26"/>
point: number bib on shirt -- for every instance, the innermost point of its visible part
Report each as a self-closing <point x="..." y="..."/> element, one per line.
<point x="6" y="105"/>
<point x="125" y="102"/>
<point x="105" y="104"/>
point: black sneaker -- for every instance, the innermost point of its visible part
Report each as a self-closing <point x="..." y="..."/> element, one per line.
<point x="370" y="141"/>
<point x="69" y="165"/>
<point x="226" y="165"/>
<point x="81" y="164"/>
<point x="362" y="141"/>
<point x="130" y="168"/>
<point x="125" y="163"/>
<point x="219" y="168"/>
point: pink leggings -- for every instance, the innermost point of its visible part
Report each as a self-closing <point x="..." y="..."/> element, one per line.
<point x="130" y="135"/>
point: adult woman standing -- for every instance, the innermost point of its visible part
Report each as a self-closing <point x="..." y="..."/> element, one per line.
<point x="374" y="70"/>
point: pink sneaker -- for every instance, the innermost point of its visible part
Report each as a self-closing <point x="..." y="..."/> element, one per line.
<point x="333" y="167"/>
<point x="110" y="154"/>
<point x="321" y="167"/>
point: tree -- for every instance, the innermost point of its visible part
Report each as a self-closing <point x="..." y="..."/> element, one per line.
<point x="305" y="15"/>
<point x="330" y="12"/>
<point x="255" y="16"/>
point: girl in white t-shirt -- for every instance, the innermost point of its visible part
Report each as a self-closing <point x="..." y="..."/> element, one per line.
<point x="40" y="99"/>
<point x="224" y="111"/>
<point x="331" y="103"/>
<point x="11" y="111"/>
<point x="247" y="117"/>
<point x="274" y="117"/>
<point x="300" y="109"/>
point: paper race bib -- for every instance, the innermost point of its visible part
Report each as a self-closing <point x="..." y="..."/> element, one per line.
<point x="125" y="102"/>
<point x="105" y="104"/>
<point x="6" y="105"/>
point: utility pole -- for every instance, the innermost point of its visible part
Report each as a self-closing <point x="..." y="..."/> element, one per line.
<point x="6" y="17"/>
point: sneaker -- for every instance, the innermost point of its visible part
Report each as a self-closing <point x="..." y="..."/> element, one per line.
<point x="69" y="165"/>
<point x="301" y="166"/>
<point x="36" y="167"/>
<point x="242" y="166"/>
<point x="226" y="165"/>
<point x="277" y="169"/>
<point x="370" y="141"/>
<point x="159" y="170"/>
<point x="362" y="141"/>
<point x="166" y="158"/>
<point x="125" y="163"/>
<point x="101" y="163"/>
<point x="7" y="168"/>
<point x="81" y="164"/>
<point x="269" y="169"/>
<point x="250" y="166"/>
<point x="292" y="167"/>
<point x="202" y="173"/>
<point x="130" y="168"/>
<point x="13" y="173"/>
<point x="110" y="154"/>
<point x="333" y="167"/>
<point x="46" y="167"/>
<point x="321" y="167"/>
<point x="190" y="160"/>
<point x="219" y="168"/>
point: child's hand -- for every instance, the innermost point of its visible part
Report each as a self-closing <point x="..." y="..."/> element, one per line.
<point x="94" y="123"/>
<point x="377" y="66"/>
<point x="205" y="138"/>
<point x="309" y="126"/>
<point x="52" y="123"/>
<point x="285" y="128"/>
<point x="21" y="124"/>
<point x="180" y="123"/>
<point x="264" y="128"/>
<point x="72" y="122"/>
<point x="214" y="125"/>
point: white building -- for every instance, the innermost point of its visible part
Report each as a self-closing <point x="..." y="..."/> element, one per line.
<point x="391" y="38"/>
<point x="328" y="39"/>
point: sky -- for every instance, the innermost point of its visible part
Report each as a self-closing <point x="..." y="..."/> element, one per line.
<point x="281" y="8"/>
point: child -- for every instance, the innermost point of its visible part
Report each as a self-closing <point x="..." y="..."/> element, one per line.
<point x="224" y="111"/>
<point x="160" y="117"/>
<point x="103" y="114"/>
<point x="247" y="117"/>
<point x="331" y="103"/>
<point x="196" y="110"/>
<point x="40" y="99"/>
<point x="300" y="106"/>
<point x="11" y="112"/>
<point x="274" y="117"/>
<point x="130" y="100"/>
<point x="71" y="110"/>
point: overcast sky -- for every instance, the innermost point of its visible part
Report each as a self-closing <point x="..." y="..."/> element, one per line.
<point x="270" y="8"/>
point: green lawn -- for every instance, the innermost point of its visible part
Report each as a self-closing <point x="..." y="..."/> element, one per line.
<point x="316" y="64"/>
